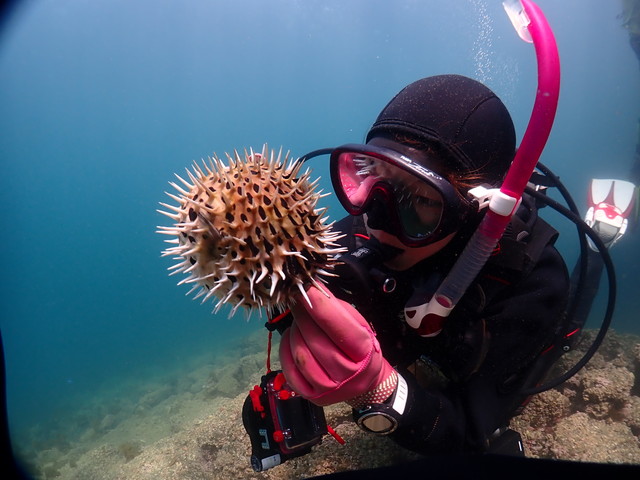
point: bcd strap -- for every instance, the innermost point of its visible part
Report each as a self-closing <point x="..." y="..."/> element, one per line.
<point x="518" y="251"/>
<point x="515" y="256"/>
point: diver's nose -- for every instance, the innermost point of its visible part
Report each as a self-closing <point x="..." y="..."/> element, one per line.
<point x="378" y="217"/>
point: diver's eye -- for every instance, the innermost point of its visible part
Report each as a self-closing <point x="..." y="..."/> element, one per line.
<point x="427" y="202"/>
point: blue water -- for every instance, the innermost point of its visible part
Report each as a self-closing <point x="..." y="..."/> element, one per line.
<point x="101" y="101"/>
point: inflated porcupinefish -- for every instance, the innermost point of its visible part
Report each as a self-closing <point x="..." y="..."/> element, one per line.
<point x="248" y="232"/>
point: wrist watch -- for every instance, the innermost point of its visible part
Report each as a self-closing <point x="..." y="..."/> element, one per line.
<point x="383" y="418"/>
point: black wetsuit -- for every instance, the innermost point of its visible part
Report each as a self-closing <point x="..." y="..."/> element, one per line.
<point x="466" y="382"/>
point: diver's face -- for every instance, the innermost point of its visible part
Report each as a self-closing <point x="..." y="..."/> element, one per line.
<point x="419" y="207"/>
<point x="410" y="255"/>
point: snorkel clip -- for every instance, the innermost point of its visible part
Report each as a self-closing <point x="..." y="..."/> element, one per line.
<point x="497" y="201"/>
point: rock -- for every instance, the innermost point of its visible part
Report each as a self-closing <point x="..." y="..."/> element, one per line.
<point x="228" y="385"/>
<point x="593" y="417"/>
<point x="155" y="396"/>
<point x="632" y="415"/>
<point x="108" y="422"/>
<point x="546" y="409"/>
<point x="580" y="437"/>
<point x="606" y="391"/>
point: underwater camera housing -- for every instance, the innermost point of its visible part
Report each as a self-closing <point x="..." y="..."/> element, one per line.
<point x="281" y="424"/>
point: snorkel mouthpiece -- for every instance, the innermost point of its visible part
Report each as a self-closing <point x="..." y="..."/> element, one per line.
<point x="532" y="26"/>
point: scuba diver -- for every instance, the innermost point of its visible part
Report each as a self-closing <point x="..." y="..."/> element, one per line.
<point x="433" y="386"/>
<point x="451" y="303"/>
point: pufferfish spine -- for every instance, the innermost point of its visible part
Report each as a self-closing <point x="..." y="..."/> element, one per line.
<point x="248" y="232"/>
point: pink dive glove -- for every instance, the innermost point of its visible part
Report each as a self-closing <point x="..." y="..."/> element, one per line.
<point x="330" y="354"/>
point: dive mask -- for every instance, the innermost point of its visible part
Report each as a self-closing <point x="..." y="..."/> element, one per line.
<point x="408" y="200"/>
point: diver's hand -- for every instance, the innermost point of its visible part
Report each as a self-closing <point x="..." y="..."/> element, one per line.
<point x="330" y="354"/>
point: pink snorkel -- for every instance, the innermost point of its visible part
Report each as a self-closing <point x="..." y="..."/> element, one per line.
<point x="532" y="26"/>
